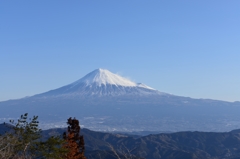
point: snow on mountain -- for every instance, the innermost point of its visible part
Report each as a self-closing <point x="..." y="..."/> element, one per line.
<point x="102" y="100"/>
<point x="104" y="77"/>
<point x="102" y="82"/>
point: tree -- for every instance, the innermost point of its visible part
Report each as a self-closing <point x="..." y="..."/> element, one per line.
<point x="52" y="148"/>
<point x="74" y="142"/>
<point x="24" y="142"/>
<point x="28" y="135"/>
<point x="7" y="144"/>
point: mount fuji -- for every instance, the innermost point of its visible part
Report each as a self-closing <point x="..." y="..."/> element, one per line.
<point x="105" y="101"/>
<point x="102" y="83"/>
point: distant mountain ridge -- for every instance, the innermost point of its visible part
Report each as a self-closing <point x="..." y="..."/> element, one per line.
<point x="179" y="145"/>
<point x="105" y="101"/>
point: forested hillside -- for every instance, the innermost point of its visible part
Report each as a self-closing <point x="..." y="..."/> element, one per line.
<point x="187" y="145"/>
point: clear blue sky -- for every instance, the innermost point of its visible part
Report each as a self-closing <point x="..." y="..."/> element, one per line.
<point x="187" y="48"/>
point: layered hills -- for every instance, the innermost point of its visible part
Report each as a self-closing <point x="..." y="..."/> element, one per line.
<point x="180" y="145"/>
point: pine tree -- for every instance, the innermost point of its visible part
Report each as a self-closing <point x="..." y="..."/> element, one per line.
<point x="27" y="134"/>
<point x="24" y="142"/>
<point x="74" y="142"/>
<point x="52" y="148"/>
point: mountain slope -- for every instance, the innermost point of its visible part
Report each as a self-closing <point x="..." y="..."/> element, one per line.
<point x="102" y="100"/>
<point x="180" y="145"/>
<point x="101" y="82"/>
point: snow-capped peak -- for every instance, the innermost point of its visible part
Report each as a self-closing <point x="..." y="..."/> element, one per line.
<point x="103" y="77"/>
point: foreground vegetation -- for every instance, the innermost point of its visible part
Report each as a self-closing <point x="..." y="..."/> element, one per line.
<point x="24" y="141"/>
